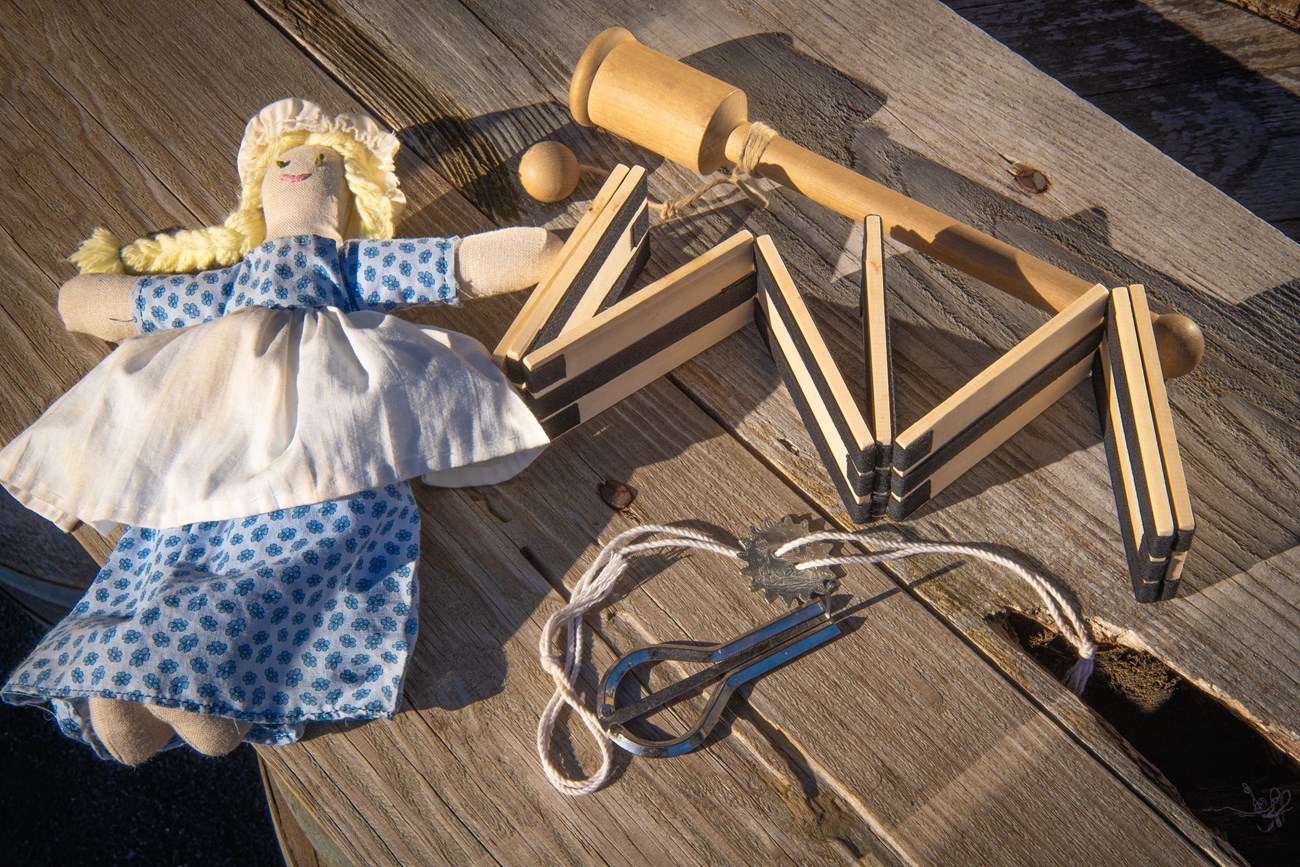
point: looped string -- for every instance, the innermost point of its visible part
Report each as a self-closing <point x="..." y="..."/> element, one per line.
<point x="757" y="138"/>
<point x="1063" y="611"/>
<point x="593" y="589"/>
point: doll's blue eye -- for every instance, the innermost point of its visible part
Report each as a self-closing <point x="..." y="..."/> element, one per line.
<point x="320" y="159"/>
<point x="282" y="163"/>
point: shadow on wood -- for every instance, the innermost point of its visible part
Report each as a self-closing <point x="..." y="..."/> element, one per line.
<point x="1145" y="64"/>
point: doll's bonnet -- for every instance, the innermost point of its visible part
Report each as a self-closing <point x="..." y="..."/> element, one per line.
<point x="368" y="152"/>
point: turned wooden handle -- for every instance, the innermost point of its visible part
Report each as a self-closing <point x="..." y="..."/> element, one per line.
<point x="700" y="122"/>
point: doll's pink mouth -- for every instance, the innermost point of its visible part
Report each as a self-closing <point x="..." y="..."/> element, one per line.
<point x="293" y="179"/>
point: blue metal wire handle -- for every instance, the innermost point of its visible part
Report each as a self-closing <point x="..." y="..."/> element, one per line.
<point x="735" y="663"/>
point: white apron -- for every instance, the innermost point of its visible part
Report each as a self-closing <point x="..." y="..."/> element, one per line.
<point x="266" y="409"/>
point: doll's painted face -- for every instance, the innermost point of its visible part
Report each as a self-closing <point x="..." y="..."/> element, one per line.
<point x="305" y="192"/>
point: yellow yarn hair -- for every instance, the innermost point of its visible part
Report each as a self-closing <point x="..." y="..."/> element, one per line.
<point x="101" y="253"/>
<point x="191" y="250"/>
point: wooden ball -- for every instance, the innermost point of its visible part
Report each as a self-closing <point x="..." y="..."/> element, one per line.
<point x="1180" y="343"/>
<point x="549" y="171"/>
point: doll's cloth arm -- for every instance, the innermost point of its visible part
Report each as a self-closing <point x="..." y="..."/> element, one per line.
<point x="388" y="275"/>
<point x="504" y="260"/>
<point x="391" y="274"/>
<point x="161" y="301"/>
<point x="98" y="304"/>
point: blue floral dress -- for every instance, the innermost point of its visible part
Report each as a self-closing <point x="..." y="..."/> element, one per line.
<point x="299" y="614"/>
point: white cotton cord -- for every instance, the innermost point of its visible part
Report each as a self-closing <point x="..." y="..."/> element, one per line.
<point x="1064" y="612"/>
<point x="593" y="590"/>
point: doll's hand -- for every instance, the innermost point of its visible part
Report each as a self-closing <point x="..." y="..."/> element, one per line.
<point x="505" y="260"/>
<point x="99" y="304"/>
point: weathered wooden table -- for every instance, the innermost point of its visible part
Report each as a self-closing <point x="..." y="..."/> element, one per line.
<point x="925" y="735"/>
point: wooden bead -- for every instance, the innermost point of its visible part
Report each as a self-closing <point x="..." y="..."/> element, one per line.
<point x="549" y="171"/>
<point x="1180" y="343"/>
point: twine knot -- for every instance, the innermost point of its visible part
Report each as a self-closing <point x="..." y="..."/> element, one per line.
<point x="742" y="174"/>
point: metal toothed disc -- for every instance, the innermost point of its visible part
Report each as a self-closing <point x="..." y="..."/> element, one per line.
<point x="777" y="577"/>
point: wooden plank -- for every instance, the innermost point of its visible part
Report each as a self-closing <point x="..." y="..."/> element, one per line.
<point x="1090" y="48"/>
<point x="1282" y="11"/>
<point x="1238" y="132"/>
<point x="1211" y="87"/>
<point x="907" y="143"/>
<point x="830" y="729"/>
<point x="1263" y="396"/>
<point x="344" y="764"/>
<point x="302" y="842"/>
<point x="565" y="38"/>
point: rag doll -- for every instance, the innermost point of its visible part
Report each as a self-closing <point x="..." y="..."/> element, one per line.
<point x="254" y="432"/>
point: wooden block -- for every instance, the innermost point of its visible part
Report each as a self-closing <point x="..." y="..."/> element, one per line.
<point x="595" y="352"/>
<point x="989" y="409"/>
<point x="836" y="424"/>
<point x="602" y="255"/>
<point x="549" y="292"/>
<point x="1145" y="573"/>
<point x="879" y="369"/>
<point x="1138" y="421"/>
<point x="1175" y="478"/>
<point x="644" y="371"/>
<point x="621" y="267"/>
<point x="1151" y="494"/>
<point x="906" y="498"/>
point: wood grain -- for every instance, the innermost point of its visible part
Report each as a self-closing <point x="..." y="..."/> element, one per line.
<point x="302" y="842"/>
<point x="928" y="755"/>
<point x="1212" y="87"/>
<point x="1256" y="392"/>
<point x="1282" y="11"/>
<point x="1112" y="234"/>
<point x="375" y="801"/>
<point x="929" y="773"/>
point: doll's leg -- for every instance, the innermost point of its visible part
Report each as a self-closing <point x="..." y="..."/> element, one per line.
<point x="126" y="728"/>
<point x="210" y="735"/>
